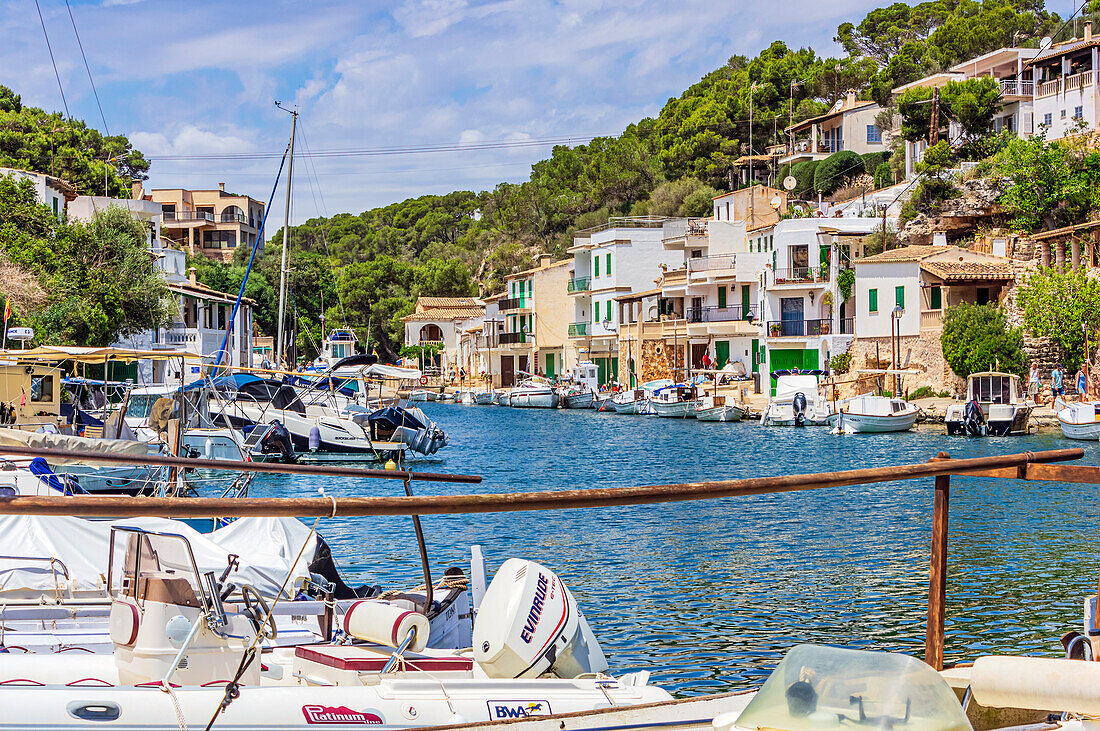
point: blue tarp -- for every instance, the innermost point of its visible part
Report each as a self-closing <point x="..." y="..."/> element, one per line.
<point x="235" y="380"/>
<point x="39" y="467"/>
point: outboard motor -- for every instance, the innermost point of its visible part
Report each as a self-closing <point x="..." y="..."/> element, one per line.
<point x="974" y="420"/>
<point x="529" y="624"/>
<point x="278" y="441"/>
<point x="798" y="406"/>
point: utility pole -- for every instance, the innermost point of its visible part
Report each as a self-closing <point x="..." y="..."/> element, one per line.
<point x="286" y="237"/>
<point x="934" y="125"/>
<point x="752" y="193"/>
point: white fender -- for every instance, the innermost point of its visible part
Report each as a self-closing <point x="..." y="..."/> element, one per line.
<point x="386" y="624"/>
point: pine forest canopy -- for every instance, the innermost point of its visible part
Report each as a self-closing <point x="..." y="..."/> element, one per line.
<point x="366" y="270"/>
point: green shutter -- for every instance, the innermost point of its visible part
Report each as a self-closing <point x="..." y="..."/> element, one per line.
<point x="937" y="301"/>
<point x="595" y="312"/>
<point x="597" y="260"/>
<point x="722" y="297"/>
<point x="899" y="296"/>
<point x="721" y="353"/>
<point x="608" y="310"/>
<point x="872" y="300"/>
<point x="746" y="305"/>
<point x="609" y="264"/>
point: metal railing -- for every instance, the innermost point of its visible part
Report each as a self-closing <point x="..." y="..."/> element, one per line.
<point x="719" y="314"/>
<point x="1017" y="87"/>
<point x="512" y="303"/>
<point x="578" y="329"/>
<point x="801" y="274"/>
<point x="578" y="284"/>
<point x="186" y="215"/>
<point x="847" y="326"/>
<point x="799" y="328"/>
<point x="231" y="218"/>
<point x="626" y="222"/>
<point x="681" y="227"/>
<point x="711" y="263"/>
<point x="512" y="338"/>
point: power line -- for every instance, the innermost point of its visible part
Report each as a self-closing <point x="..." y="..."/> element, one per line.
<point x="52" y="60"/>
<point x="87" y="68"/>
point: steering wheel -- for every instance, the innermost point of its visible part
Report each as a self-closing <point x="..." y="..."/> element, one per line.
<point x="264" y="623"/>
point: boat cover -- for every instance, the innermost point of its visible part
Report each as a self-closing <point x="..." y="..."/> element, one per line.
<point x="380" y="370"/>
<point x="20" y="438"/>
<point x="266" y="546"/>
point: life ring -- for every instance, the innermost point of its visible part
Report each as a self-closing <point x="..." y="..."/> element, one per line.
<point x="423" y="380"/>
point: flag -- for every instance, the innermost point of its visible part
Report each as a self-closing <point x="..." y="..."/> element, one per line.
<point x="7" y="311"/>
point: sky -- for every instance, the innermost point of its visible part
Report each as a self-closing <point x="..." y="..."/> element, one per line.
<point x="487" y="87"/>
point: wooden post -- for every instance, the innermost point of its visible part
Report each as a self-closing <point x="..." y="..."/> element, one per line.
<point x="937" y="577"/>
<point x="934" y="126"/>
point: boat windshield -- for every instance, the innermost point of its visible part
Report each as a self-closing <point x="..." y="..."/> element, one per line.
<point x="992" y="389"/>
<point x="819" y="688"/>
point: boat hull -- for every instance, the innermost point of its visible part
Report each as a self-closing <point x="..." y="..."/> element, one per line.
<point x="674" y="410"/>
<point x="534" y="399"/>
<point x="720" y="413"/>
<point x="871" y="424"/>
<point x="485" y="398"/>
<point x="580" y="400"/>
<point x="633" y="407"/>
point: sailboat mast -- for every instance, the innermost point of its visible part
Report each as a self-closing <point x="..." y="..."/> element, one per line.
<point x="286" y="239"/>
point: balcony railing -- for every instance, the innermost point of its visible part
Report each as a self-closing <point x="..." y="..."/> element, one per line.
<point x="720" y="314"/>
<point x="682" y="227"/>
<point x="578" y="329"/>
<point x="796" y="274"/>
<point x="579" y="284"/>
<point x="186" y="215"/>
<point x="512" y="303"/>
<point x="710" y="263"/>
<point x="799" y="328"/>
<point x="931" y="319"/>
<point x="847" y="326"/>
<point x="512" y="338"/>
<point x="1064" y="83"/>
<point x="1017" y="87"/>
<point x="231" y="218"/>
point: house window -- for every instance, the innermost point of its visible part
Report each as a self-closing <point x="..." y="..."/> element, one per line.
<point x="597" y="260"/>
<point x="1048" y="119"/>
<point x="721" y="297"/>
<point x="595" y="312"/>
<point x="696" y="253"/>
<point x="981" y="297"/>
<point x="1078" y="113"/>
<point x="935" y="297"/>
<point x="1063" y="114"/>
<point x="872" y="300"/>
<point x="55" y="206"/>
<point x="874" y="135"/>
<point x="899" y="296"/>
<point x="608" y="264"/>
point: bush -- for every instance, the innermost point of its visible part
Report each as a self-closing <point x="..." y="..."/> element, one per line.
<point x="872" y="160"/>
<point x="1056" y="303"/>
<point x="976" y="338"/>
<point x="926" y="392"/>
<point x="840" y="363"/>
<point x="884" y="177"/>
<point x="804" y="173"/>
<point x="835" y="170"/>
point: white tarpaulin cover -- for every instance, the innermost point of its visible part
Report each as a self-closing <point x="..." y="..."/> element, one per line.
<point x="267" y="548"/>
<point x="20" y="438"/>
<point x="387" y="371"/>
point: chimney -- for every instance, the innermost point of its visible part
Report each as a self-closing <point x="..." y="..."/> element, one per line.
<point x="544" y="261"/>
<point x="851" y="101"/>
<point x="221" y="187"/>
<point x="1088" y="30"/>
<point x="191" y="275"/>
<point x="135" y="190"/>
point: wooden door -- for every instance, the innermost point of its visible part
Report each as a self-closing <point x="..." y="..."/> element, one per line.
<point x="507" y="371"/>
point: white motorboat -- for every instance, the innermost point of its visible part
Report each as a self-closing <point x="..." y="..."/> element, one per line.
<point x="676" y="402"/>
<point x="421" y="394"/>
<point x="872" y="414"/>
<point x="534" y="392"/>
<point x="993" y="407"/>
<point x="718" y="408"/>
<point x="465" y="396"/>
<point x="797" y="400"/>
<point x="178" y="652"/>
<point x="1080" y="420"/>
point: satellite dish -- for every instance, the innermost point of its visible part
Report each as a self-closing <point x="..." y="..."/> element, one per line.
<point x="776" y="201"/>
<point x="789" y="182"/>
<point x="1045" y="42"/>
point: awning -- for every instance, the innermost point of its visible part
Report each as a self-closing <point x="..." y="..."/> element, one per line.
<point x="81" y="354"/>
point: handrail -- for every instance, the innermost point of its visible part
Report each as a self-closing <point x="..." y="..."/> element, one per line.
<point x="112" y="506"/>
<point x="233" y="466"/>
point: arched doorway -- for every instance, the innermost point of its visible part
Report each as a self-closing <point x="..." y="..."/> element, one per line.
<point x="431" y="347"/>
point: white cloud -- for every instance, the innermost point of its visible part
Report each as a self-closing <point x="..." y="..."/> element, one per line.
<point x="190" y="140"/>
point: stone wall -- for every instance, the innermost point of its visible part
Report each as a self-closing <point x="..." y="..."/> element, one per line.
<point x="918" y="352"/>
<point x="659" y="364"/>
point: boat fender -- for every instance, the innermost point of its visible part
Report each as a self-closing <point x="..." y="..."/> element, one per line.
<point x="314" y="438"/>
<point x="385" y="624"/>
<point x="124" y="622"/>
<point x="423" y="380"/>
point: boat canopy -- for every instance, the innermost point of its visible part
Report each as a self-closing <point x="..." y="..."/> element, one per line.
<point x="788" y="384"/>
<point x="381" y="370"/>
<point x="92" y="447"/>
<point x="81" y="354"/>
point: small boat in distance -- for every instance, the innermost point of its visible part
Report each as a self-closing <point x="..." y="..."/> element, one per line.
<point x="485" y="398"/>
<point x="872" y="414"/>
<point x="718" y="408"/>
<point x="676" y="402"/>
<point x="1080" y="420"/>
<point x="993" y="407"/>
<point x="797" y="400"/>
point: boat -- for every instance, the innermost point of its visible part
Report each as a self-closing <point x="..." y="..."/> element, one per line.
<point x="182" y="656"/>
<point x="504" y="398"/>
<point x="1079" y="420"/>
<point x="602" y="401"/>
<point x="993" y="407"/>
<point x="534" y="392"/>
<point x="636" y="400"/>
<point x="873" y="414"/>
<point x="485" y="398"/>
<point x="421" y="395"/>
<point x="797" y="400"/>
<point x="465" y="396"/>
<point x="676" y="401"/>
<point x="718" y="408"/>
<point x="578" y="399"/>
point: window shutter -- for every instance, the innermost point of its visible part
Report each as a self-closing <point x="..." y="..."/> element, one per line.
<point x="899" y="296"/>
<point x="597" y="261"/>
<point x="722" y="297"/>
<point x="872" y="300"/>
<point x="609" y="264"/>
<point x="936" y="298"/>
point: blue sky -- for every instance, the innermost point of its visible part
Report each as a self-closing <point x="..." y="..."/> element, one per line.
<point x="200" y="77"/>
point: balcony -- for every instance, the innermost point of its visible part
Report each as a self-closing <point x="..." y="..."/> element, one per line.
<point x="1017" y="87"/>
<point x="512" y="303"/>
<point x="1064" y="83"/>
<point x="931" y="320"/>
<point x="578" y="329"/>
<point x="847" y="326"/>
<point x="679" y="230"/>
<point x="231" y="218"/>
<point x="513" y="338"/>
<point x="716" y="262"/>
<point x="578" y="284"/>
<point x="801" y="274"/>
<point x="186" y="216"/>
<point x="720" y="314"/>
<point x="799" y="328"/>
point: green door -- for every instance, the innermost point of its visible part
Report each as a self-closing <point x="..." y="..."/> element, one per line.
<point x="745" y="304"/>
<point x="823" y="252"/>
<point x="549" y="371"/>
<point x="722" y="352"/>
<point x="755" y="355"/>
<point x="792" y="359"/>
<point x="602" y="366"/>
<point x="615" y="369"/>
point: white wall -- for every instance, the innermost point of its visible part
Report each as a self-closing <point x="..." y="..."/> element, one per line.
<point x="885" y="277"/>
<point x="51" y="197"/>
<point x="726" y="237"/>
<point x="1056" y="104"/>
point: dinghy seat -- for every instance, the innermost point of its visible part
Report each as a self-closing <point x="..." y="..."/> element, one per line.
<point x="345" y="664"/>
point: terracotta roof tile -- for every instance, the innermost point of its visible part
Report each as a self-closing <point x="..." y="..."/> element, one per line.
<point x="969" y="269"/>
<point x="445" y="313"/>
<point x="905" y="253"/>
<point x="447" y="302"/>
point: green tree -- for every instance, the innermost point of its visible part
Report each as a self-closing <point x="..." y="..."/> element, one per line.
<point x="1062" y="304"/>
<point x="836" y="170"/>
<point x="1050" y="183"/>
<point x="439" y="278"/>
<point x="976" y="338"/>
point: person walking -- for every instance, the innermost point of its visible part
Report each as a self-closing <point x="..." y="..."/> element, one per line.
<point x="1057" y="389"/>
<point x="1033" y="383"/>
<point x="1083" y="383"/>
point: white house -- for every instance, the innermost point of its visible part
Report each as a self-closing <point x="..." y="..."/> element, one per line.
<point x="441" y="322"/>
<point x="848" y="125"/>
<point x="52" y="192"/>
<point x="622" y="256"/>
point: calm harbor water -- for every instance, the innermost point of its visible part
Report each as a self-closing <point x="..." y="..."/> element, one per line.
<point x="708" y="595"/>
